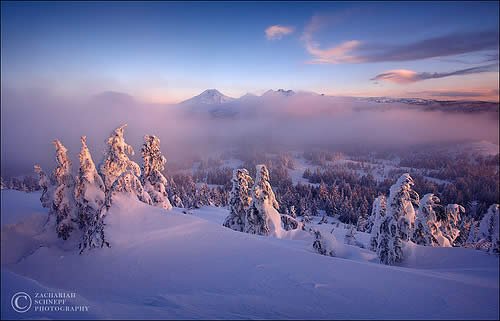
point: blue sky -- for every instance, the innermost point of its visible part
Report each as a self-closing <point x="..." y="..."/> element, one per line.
<point x="169" y="51"/>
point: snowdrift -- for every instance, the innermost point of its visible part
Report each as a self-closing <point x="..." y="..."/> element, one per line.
<point x="166" y="264"/>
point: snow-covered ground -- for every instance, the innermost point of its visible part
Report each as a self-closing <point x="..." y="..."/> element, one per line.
<point x="173" y="265"/>
<point x="300" y="165"/>
<point x="381" y="169"/>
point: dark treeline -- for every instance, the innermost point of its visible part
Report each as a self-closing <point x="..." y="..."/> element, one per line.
<point x="343" y="189"/>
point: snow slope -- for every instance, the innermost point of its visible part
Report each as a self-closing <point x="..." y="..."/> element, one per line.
<point x="173" y="265"/>
<point x="12" y="212"/>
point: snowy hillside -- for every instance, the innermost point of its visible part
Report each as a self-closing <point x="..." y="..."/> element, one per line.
<point x="166" y="264"/>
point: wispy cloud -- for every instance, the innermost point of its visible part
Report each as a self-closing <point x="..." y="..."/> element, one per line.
<point x="357" y="51"/>
<point x="342" y="53"/>
<point x="443" y="46"/>
<point x="403" y="76"/>
<point x="399" y="76"/>
<point x="277" y="31"/>
<point x="334" y="55"/>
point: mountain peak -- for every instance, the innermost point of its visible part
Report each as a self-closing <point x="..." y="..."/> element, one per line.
<point x="248" y="95"/>
<point x="279" y="92"/>
<point x="212" y="91"/>
<point x="209" y="97"/>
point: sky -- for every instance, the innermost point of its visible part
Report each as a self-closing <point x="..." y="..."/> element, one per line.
<point x="165" y="52"/>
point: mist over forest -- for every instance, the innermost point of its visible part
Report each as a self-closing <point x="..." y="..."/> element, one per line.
<point x="31" y="120"/>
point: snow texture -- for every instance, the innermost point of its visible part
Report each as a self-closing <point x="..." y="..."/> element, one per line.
<point x="176" y="266"/>
<point x="181" y="266"/>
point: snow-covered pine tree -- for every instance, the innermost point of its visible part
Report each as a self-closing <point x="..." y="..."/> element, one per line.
<point x="377" y="216"/>
<point x="362" y="223"/>
<point x="255" y="222"/>
<point x="465" y="225"/>
<point x="116" y="160"/>
<point x="289" y="223"/>
<point x="202" y="196"/>
<point x="90" y="198"/>
<point x="177" y="201"/>
<point x="128" y="183"/>
<point x="450" y="227"/>
<point x="489" y="229"/>
<point x="45" y="185"/>
<point x="63" y="201"/>
<point x="240" y="200"/>
<point x="473" y="233"/>
<point x="173" y="193"/>
<point x="152" y="179"/>
<point x="426" y="231"/>
<point x="400" y="203"/>
<point x="399" y="219"/>
<point x="350" y="236"/>
<point x="262" y="217"/>
<point x="321" y="245"/>
<point x="389" y="244"/>
<point x="306" y="216"/>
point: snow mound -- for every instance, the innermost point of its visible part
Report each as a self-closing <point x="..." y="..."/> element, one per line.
<point x="170" y="265"/>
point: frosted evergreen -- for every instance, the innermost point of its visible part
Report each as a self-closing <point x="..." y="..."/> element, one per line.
<point x="262" y="217"/>
<point x="152" y="179"/>
<point x="46" y="186"/>
<point x="116" y="160"/>
<point x="90" y="198"/>
<point x="377" y="216"/>
<point x="488" y="229"/>
<point x="63" y="201"/>
<point x="397" y="224"/>
<point x="240" y="200"/>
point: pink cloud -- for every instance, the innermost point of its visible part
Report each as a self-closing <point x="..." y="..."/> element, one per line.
<point x="403" y="76"/>
<point x="342" y="53"/>
<point x="278" y="32"/>
<point x="355" y="51"/>
<point x="334" y="55"/>
<point x="398" y="76"/>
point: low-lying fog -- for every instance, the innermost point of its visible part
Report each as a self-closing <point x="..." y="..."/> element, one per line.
<point x="31" y="120"/>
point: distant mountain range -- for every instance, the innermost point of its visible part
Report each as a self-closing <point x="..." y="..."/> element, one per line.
<point x="215" y="97"/>
<point x="219" y="105"/>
